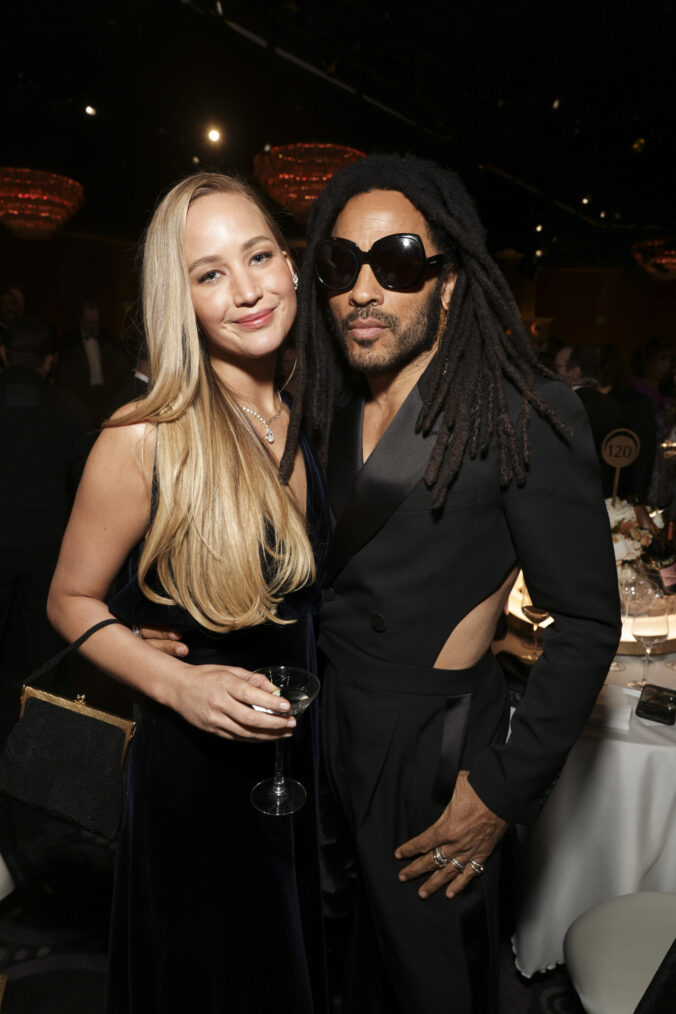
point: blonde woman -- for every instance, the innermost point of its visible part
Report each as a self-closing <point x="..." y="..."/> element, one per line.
<point x="216" y="907"/>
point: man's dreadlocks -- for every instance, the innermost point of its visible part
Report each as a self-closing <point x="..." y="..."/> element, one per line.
<point x="483" y="342"/>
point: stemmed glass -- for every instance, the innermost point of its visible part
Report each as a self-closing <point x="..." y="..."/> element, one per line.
<point x="649" y="626"/>
<point x="536" y="615"/>
<point x="279" y="795"/>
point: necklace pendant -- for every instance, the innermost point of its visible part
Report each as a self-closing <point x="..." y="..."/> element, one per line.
<point x="269" y="435"/>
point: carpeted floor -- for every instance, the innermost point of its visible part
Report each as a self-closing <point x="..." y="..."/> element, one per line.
<point x="53" y="943"/>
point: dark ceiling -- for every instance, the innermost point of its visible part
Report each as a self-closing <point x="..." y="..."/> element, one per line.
<point x="537" y="105"/>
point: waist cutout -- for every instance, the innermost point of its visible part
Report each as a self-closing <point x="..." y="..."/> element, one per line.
<point x="394" y="677"/>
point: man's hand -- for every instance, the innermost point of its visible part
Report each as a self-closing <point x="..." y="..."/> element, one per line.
<point x="163" y="639"/>
<point x="467" y="830"/>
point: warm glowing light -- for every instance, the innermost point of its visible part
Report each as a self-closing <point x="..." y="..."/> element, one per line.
<point x="585" y="200"/>
<point x="538" y="228"/>
<point x="294" y="175"/>
<point x="214" y="135"/>
<point x="657" y="256"/>
<point x="90" y="110"/>
<point x="538" y="253"/>
<point x="602" y="214"/>
<point x="195" y="160"/>
<point x="33" y="204"/>
<point x="556" y="103"/>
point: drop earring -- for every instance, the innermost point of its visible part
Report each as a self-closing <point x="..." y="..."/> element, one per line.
<point x="294" y="278"/>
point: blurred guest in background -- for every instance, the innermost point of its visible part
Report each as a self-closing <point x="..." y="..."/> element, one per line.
<point x="615" y="380"/>
<point x="136" y="384"/>
<point x="10" y="310"/>
<point x="43" y="445"/>
<point x="652" y="365"/>
<point x="579" y="365"/>
<point x="89" y="363"/>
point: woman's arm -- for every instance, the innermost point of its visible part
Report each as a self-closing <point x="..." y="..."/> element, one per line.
<point x="110" y="516"/>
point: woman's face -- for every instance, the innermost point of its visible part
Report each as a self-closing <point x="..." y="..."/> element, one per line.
<point x="240" y="281"/>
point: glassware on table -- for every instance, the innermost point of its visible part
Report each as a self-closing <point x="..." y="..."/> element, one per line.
<point x="649" y="626"/>
<point x="279" y="795"/>
<point x="536" y="615"/>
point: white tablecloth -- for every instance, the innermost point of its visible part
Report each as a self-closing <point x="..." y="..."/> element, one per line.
<point x="609" y="826"/>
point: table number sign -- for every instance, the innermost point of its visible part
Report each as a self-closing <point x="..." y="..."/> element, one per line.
<point x="619" y="449"/>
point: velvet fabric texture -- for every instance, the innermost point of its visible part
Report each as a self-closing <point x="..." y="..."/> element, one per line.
<point x="217" y="908"/>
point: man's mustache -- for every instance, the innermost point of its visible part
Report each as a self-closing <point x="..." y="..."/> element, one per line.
<point x="368" y="313"/>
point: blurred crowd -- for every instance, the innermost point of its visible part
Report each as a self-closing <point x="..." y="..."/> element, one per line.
<point x="636" y="392"/>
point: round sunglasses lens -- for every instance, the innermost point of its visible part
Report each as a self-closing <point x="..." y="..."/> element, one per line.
<point x="398" y="262"/>
<point x="336" y="265"/>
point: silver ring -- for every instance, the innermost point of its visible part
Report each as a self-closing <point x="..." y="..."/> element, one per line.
<point x="135" y="630"/>
<point x="477" y="867"/>
<point x="440" y="860"/>
<point x="458" y="865"/>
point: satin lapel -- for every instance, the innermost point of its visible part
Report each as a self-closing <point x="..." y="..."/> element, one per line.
<point x="345" y="452"/>
<point x="394" y="467"/>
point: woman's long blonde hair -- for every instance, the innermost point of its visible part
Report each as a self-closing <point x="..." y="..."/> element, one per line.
<point x="225" y="541"/>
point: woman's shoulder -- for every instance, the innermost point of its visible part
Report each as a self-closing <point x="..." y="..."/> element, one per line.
<point x="120" y="442"/>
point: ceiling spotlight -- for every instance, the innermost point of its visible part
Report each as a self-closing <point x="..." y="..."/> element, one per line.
<point x="90" y="110"/>
<point x="195" y="160"/>
<point x="538" y="253"/>
<point x="539" y="227"/>
<point x="214" y="135"/>
<point x="602" y="214"/>
<point x="556" y="103"/>
<point x="586" y="200"/>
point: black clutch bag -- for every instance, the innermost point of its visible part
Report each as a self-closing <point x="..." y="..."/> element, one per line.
<point x="67" y="758"/>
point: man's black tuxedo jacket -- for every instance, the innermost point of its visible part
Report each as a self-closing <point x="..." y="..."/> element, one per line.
<point x="401" y="575"/>
<point x="72" y="372"/>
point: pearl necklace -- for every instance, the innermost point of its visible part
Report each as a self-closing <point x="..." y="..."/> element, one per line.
<point x="269" y="435"/>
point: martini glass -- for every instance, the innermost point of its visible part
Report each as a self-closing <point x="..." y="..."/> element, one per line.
<point x="278" y="796"/>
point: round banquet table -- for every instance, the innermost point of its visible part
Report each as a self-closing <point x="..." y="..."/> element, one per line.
<point x="609" y="825"/>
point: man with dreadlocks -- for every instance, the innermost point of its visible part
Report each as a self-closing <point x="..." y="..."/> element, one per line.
<point x="456" y="460"/>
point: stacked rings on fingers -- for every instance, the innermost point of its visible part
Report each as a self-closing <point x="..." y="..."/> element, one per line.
<point x="477" y="867"/>
<point x="135" y="630"/>
<point x="439" y="859"/>
<point x="457" y="864"/>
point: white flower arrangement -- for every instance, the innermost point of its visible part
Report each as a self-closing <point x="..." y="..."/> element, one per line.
<point x="628" y="526"/>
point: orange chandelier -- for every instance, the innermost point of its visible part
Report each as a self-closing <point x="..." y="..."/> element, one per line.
<point x="33" y="204"/>
<point x="294" y="175"/>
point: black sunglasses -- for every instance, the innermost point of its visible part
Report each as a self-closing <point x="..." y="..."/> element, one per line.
<point x="398" y="262"/>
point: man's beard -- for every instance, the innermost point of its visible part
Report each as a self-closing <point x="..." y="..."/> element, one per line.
<point x="409" y="343"/>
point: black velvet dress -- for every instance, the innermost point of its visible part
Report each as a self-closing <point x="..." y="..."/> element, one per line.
<point x="216" y="907"/>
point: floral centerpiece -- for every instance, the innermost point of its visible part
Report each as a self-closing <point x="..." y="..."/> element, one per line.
<point x="633" y="529"/>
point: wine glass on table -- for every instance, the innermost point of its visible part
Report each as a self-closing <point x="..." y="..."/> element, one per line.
<point x="278" y="796"/>
<point x="649" y="626"/>
<point x="536" y="615"/>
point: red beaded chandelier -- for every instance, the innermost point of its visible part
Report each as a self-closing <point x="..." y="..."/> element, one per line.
<point x="294" y="175"/>
<point x="657" y="257"/>
<point x="33" y="204"/>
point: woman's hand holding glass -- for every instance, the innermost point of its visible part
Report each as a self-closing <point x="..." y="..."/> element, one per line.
<point x="223" y="701"/>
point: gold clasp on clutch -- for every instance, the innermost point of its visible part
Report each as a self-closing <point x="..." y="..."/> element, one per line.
<point x="80" y="698"/>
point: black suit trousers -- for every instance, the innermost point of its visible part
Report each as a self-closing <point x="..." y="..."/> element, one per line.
<point x="438" y="955"/>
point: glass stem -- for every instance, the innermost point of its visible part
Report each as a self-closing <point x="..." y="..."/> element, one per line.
<point x="278" y="783"/>
<point x="645" y="667"/>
